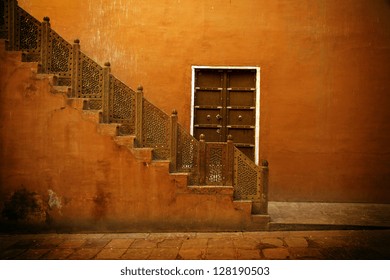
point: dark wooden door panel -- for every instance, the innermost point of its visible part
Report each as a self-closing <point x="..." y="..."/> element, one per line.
<point x="208" y="116"/>
<point x="212" y="134"/>
<point x="208" y="97"/>
<point x="239" y="117"/>
<point x="242" y="135"/>
<point x="225" y="103"/>
<point x="209" y="78"/>
<point x="242" y="78"/>
<point x="241" y="98"/>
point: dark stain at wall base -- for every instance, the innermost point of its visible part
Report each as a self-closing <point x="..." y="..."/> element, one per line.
<point x="101" y="202"/>
<point x="24" y="205"/>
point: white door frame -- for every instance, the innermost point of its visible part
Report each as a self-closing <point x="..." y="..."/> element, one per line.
<point x="257" y="125"/>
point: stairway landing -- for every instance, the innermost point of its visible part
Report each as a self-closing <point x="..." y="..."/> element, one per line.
<point x="316" y="215"/>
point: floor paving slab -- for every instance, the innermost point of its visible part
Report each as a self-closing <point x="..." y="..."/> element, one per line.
<point x="5" y="243"/>
<point x="249" y="254"/>
<point x="72" y="243"/>
<point x="221" y="254"/>
<point x="171" y="243"/>
<point x="120" y="243"/>
<point x="192" y="253"/>
<point x="110" y="254"/>
<point x="275" y="242"/>
<point x="195" y="243"/>
<point x="246" y="243"/>
<point x="58" y="254"/>
<point x="32" y="254"/>
<point x="301" y="253"/>
<point x="95" y="243"/>
<point x="164" y="254"/>
<point x="276" y="253"/>
<point x="24" y="244"/>
<point x="48" y="243"/>
<point x="137" y="254"/>
<point x="296" y="242"/>
<point x="84" y="254"/>
<point x="220" y="243"/>
<point x="325" y="241"/>
<point x="10" y="254"/>
<point x="142" y="243"/>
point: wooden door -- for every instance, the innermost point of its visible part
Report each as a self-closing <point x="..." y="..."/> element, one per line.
<point x="225" y="103"/>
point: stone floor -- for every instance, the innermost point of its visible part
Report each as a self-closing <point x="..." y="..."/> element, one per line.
<point x="333" y="245"/>
<point x="368" y="239"/>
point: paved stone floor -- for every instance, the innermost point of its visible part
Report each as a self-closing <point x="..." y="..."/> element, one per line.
<point x="324" y="244"/>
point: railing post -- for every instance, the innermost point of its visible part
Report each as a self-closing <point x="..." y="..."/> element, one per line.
<point x="229" y="161"/>
<point x="75" y="68"/>
<point x="264" y="194"/>
<point x="139" y="96"/>
<point x="260" y="204"/>
<point x="11" y="44"/>
<point x="202" y="160"/>
<point x="45" y="41"/>
<point x="173" y="141"/>
<point x="106" y="92"/>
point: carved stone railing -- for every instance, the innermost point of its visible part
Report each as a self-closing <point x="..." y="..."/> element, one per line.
<point x="218" y="164"/>
<point x="122" y="106"/>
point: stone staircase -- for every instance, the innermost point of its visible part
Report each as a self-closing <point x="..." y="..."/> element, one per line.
<point x="162" y="162"/>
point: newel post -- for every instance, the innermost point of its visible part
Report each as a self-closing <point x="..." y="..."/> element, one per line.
<point x="106" y="93"/>
<point x="202" y="160"/>
<point x="229" y="161"/>
<point x="75" y="68"/>
<point x="264" y="183"/>
<point x="173" y="141"/>
<point x="139" y="96"/>
<point x="260" y="203"/>
<point x="13" y="33"/>
<point x="45" y="41"/>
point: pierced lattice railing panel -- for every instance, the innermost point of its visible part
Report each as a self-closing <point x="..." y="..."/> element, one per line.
<point x="90" y="78"/>
<point x="3" y="19"/>
<point x="215" y="157"/>
<point x="155" y="124"/>
<point x="187" y="154"/>
<point x="122" y="106"/>
<point x="247" y="177"/>
<point x="60" y="58"/>
<point x="28" y="39"/>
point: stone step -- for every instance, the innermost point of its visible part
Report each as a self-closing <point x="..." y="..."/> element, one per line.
<point x="207" y="190"/>
<point x="110" y="129"/>
<point x="60" y="89"/>
<point x="92" y="115"/>
<point x="143" y="154"/>
<point x="126" y="140"/>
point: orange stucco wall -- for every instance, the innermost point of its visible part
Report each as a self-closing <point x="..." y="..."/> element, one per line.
<point x="79" y="178"/>
<point x="325" y="69"/>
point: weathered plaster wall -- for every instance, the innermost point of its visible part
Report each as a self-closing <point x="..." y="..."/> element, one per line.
<point x="325" y="67"/>
<point x="67" y="175"/>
